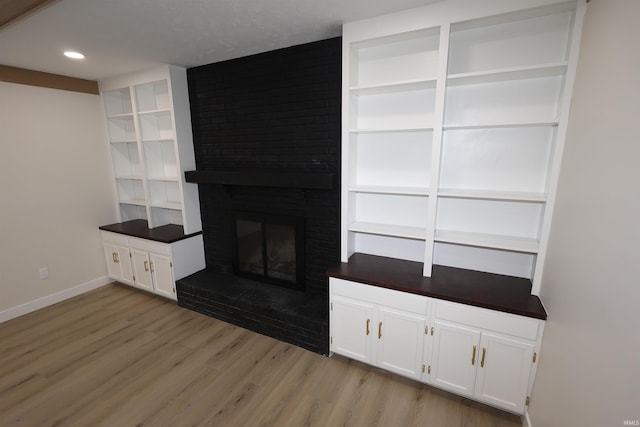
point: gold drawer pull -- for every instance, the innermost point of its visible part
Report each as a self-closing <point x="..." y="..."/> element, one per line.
<point x="484" y="353"/>
<point x="146" y="266"/>
<point x="473" y="356"/>
<point x="151" y="264"/>
<point x="379" y="330"/>
<point x="368" y="321"/>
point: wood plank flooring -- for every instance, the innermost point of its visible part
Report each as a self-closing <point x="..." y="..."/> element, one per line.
<point x="119" y="357"/>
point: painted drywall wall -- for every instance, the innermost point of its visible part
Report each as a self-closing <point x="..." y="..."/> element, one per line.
<point x="589" y="372"/>
<point x="56" y="190"/>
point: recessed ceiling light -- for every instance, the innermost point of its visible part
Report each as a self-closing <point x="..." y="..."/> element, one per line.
<point x="73" y="54"/>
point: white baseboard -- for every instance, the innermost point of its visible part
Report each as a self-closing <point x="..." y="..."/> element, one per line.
<point x="526" y="421"/>
<point x="12" y="313"/>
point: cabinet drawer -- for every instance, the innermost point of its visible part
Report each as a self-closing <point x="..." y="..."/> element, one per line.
<point x="380" y="296"/>
<point x="150" y="246"/>
<point x="114" y="238"/>
<point x="506" y="323"/>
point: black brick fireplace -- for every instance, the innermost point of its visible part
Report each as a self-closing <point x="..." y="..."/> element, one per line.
<point x="267" y="145"/>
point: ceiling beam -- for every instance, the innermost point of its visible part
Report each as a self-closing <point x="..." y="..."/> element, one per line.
<point x="12" y="10"/>
<point x="53" y="81"/>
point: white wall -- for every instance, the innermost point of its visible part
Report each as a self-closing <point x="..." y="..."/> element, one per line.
<point x="589" y="372"/>
<point x="56" y="191"/>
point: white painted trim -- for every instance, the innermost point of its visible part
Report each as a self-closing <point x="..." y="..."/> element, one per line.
<point x="57" y="297"/>
<point x="526" y="421"/>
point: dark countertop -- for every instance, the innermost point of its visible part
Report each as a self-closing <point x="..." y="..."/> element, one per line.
<point x="140" y="228"/>
<point x="493" y="291"/>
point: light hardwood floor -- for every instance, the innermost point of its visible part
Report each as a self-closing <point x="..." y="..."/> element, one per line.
<point x="118" y="357"/>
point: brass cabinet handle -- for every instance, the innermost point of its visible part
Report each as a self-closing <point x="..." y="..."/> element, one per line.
<point x="117" y="258"/>
<point x="146" y="266"/>
<point x="151" y="264"/>
<point x="473" y="356"/>
<point x="113" y="257"/>
<point x="379" y="330"/>
<point x="484" y="353"/>
<point x="368" y="321"/>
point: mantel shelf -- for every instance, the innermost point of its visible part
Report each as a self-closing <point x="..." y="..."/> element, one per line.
<point x="312" y="181"/>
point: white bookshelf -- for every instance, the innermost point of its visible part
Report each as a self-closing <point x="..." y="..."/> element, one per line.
<point x="454" y="118"/>
<point x="388" y="124"/>
<point x="149" y="131"/>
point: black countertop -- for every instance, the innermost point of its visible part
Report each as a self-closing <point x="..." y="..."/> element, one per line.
<point x="493" y="291"/>
<point x="140" y="228"/>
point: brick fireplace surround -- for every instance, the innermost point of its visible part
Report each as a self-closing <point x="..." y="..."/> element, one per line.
<point x="267" y="140"/>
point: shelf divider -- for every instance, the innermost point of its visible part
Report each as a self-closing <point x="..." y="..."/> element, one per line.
<point x="492" y="195"/>
<point x="505" y="74"/>
<point x="416" y="233"/>
<point x="493" y="241"/>
<point x="380" y="189"/>
<point x="391" y="87"/>
<point x="498" y="125"/>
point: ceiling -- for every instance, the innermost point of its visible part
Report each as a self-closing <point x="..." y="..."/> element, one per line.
<point x="122" y="36"/>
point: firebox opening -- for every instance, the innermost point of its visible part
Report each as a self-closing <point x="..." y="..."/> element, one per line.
<point x="270" y="248"/>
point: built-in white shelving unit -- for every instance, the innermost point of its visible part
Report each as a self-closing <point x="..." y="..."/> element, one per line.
<point x="454" y="117"/>
<point x="149" y="129"/>
<point x="390" y="93"/>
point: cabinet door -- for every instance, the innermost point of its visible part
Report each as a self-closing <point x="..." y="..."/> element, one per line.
<point x="162" y="271"/>
<point x="118" y="263"/>
<point x="352" y="325"/>
<point x="400" y="341"/>
<point x="142" y="269"/>
<point x="113" y="269"/>
<point x="455" y="357"/>
<point x="124" y="260"/>
<point x="503" y="372"/>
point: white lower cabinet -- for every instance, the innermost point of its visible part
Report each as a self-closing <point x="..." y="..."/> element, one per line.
<point x="487" y="367"/>
<point x="400" y="335"/>
<point x="455" y="354"/>
<point x="503" y="378"/>
<point x="482" y="354"/>
<point x="142" y="269"/>
<point x="161" y="268"/>
<point x="373" y="327"/>
<point x="118" y="263"/>
<point x="153" y="272"/>
<point x="151" y="265"/>
<point x="353" y="338"/>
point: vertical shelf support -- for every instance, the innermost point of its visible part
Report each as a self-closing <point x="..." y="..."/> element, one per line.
<point x="436" y="153"/>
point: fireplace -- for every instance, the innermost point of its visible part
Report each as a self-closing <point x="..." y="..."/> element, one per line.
<point x="267" y="251"/>
<point x="266" y="133"/>
<point x="270" y="248"/>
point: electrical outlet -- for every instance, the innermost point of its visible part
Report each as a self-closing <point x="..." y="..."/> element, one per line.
<point x="44" y="273"/>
